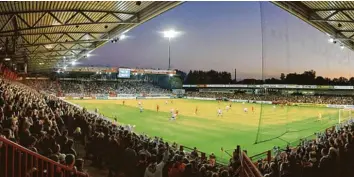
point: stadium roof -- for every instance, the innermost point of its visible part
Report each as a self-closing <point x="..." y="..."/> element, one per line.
<point x="336" y="18"/>
<point x="45" y="32"/>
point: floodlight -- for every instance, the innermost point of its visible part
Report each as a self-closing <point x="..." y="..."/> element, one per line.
<point x="56" y="23"/>
<point x="64" y="67"/>
<point x="123" y="36"/>
<point x="73" y="63"/>
<point x="330" y="40"/>
<point x="170" y="33"/>
<point x="170" y="75"/>
<point x="48" y="46"/>
<point x="7" y="59"/>
<point x="342" y="46"/>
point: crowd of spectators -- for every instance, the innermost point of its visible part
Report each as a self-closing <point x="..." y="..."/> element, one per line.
<point x="340" y="100"/>
<point x="331" y="154"/>
<point x="42" y="124"/>
<point x="51" y="127"/>
<point x="74" y="87"/>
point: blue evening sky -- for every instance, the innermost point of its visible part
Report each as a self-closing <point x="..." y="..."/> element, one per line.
<point x="228" y="35"/>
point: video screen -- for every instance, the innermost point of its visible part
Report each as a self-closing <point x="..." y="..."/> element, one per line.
<point x="124" y="73"/>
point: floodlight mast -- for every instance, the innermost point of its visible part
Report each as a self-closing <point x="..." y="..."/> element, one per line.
<point x="170" y="34"/>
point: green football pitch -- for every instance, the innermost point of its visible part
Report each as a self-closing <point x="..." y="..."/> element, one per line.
<point x="255" y="131"/>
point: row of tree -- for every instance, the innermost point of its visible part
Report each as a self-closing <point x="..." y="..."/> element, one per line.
<point x="208" y="77"/>
<point x="305" y="78"/>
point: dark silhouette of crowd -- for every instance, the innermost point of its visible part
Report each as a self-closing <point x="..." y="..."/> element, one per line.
<point x="331" y="154"/>
<point x="51" y="127"/>
<point x="38" y="123"/>
<point x="56" y="129"/>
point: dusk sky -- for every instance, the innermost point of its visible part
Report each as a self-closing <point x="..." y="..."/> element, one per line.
<point x="228" y="35"/>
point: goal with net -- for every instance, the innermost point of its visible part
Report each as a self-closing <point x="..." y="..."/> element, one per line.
<point x="344" y="115"/>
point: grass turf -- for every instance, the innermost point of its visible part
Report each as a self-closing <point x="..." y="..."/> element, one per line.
<point x="209" y="133"/>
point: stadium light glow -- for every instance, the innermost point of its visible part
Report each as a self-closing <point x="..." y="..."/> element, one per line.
<point x="73" y="63"/>
<point x="41" y="63"/>
<point x="342" y="46"/>
<point x="64" y="67"/>
<point x="330" y="40"/>
<point x="123" y="36"/>
<point x="48" y="46"/>
<point x="170" y="34"/>
<point x="170" y="75"/>
<point x="126" y="31"/>
<point x="7" y="59"/>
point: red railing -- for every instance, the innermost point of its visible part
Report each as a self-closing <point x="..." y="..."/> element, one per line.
<point x="17" y="161"/>
<point x="248" y="169"/>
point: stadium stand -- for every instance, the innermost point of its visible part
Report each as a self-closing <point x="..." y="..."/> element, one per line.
<point x="340" y="100"/>
<point x="45" y="124"/>
<point x="48" y="130"/>
<point x="95" y="87"/>
<point x="331" y="154"/>
<point x="331" y="150"/>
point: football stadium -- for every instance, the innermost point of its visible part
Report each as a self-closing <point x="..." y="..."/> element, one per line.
<point x="64" y="114"/>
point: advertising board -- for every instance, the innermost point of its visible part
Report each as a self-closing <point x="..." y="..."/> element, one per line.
<point x="123" y="73"/>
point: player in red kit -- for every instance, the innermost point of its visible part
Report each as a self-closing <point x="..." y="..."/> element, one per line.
<point x="123" y="102"/>
<point x="196" y="110"/>
<point x="252" y="109"/>
<point x="177" y="112"/>
<point x="157" y="108"/>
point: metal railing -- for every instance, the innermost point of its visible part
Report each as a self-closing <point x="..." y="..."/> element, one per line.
<point x="17" y="161"/>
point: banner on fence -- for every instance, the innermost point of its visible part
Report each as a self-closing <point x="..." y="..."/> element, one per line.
<point x="239" y="101"/>
<point x="340" y="106"/>
<point x="200" y="98"/>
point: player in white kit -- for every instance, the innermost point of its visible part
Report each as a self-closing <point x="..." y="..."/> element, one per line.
<point x="139" y="103"/>
<point x="219" y="112"/>
<point x="166" y="102"/>
<point x="173" y="116"/>
<point x="227" y="108"/>
<point x="245" y="110"/>
<point x="172" y="111"/>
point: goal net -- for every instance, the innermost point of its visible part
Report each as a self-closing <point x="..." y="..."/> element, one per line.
<point x="344" y="115"/>
<point x="288" y="124"/>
